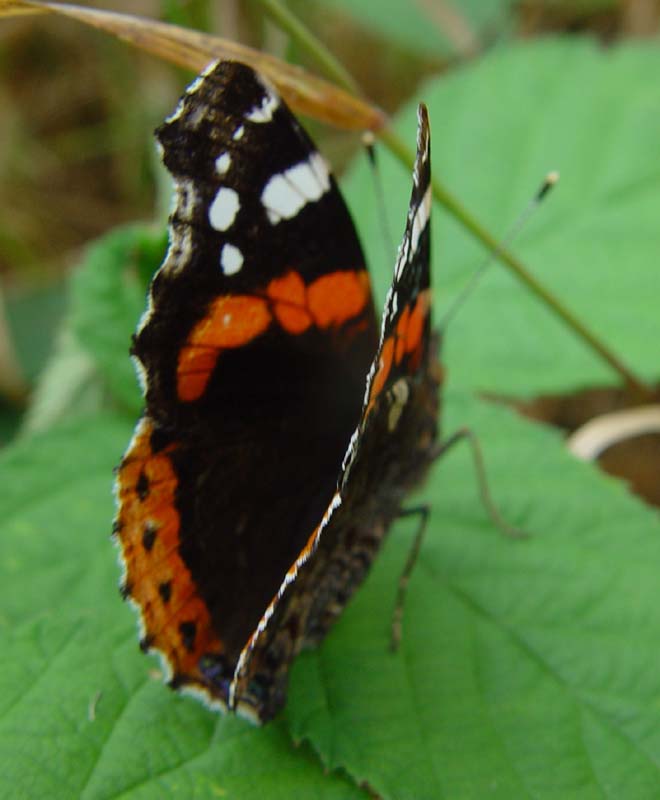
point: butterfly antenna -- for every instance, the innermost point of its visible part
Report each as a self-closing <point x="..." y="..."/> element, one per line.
<point x="369" y="143"/>
<point x="549" y="181"/>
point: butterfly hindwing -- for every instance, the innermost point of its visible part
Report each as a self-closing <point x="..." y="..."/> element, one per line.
<point x="390" y="451"/>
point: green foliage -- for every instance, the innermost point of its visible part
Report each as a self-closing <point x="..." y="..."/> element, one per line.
<point x="412" y="26"/>
<point x="32" y="317"/>
<point x="498" y="127"/>
<point x="109" y="297"/>
<point x="523" y="668"/>
<point x="527" y="668"/>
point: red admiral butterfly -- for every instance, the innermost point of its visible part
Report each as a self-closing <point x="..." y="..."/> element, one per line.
<point x="281" y="435"/>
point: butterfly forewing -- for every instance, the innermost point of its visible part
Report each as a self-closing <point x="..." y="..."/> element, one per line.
<point x="253" y="350"/>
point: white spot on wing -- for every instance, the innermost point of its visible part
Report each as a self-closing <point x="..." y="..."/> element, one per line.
<point x="309" y="181"/>
<point x="400" y="392"/>
<point x="177" y="111"/>
<point x="148" y="311"/>
<point x="421" y="218"/>
<point x="350" y="450"/>
<point x="264" y="112"/>
<point x="402" y="258"/>
<point x="184" y="199"/>
<point x="197" y="82"/>
<point x="289" y="191"/>
<point x="238" y="133"/>
<point x="247" y="713"/>
<point x="231" y="259"/>
<point x="224" y="208"/>
<point x="318" y="164"/>
<point x="182" y="250"/>
<point x="395" y="304"/>
<point x="203" y="695"/>
<point x="280" y="200"/>
<point x="222" y="163"/>
<point x="192" y="89"/>
<point x="141" y="373"/>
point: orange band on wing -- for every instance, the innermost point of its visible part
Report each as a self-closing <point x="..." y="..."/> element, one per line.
<point x="418" y="317"/>
<point x="236" y="320"/>
<point x="407" y="339"/>
<point x="156" y="578"/>
<point x="401" y="330"/>
<point x="384" y="367"/>
<point x="334" y="299"/>
<point x="290" y="302"/>
<point x="232" y="321"/>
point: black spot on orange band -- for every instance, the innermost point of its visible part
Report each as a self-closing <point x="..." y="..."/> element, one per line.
<point x="176" y="620"/>
<point x="188" y="630"/>
<point x="148" y="536"/>
<point x="142" y="487"/>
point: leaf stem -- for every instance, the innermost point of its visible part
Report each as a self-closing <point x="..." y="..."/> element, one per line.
<point x="311" y="44"/>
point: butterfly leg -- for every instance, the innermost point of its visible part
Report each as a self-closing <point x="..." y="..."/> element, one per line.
<point x="466" y="434"/>
<point x="422" y="512"/>
<point x="462" y="434"/>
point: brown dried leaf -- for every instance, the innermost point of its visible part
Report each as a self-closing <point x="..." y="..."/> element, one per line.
<point x="304" y="92"/>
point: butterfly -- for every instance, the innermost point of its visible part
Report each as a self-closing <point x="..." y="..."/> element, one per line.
<point x="283" y="426"/>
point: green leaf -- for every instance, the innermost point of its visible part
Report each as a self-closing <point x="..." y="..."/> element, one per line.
<point x="10" y="419"/>
<point x="57" y="508"/>
<point x="89" y="369"/>
<point x="81" y="718"/>
<point x="33" y="314"/>
<point x="69" y="386"/>
<point x="109" y="292"/>
<point x="497" y="127"/>
<point x="526" y="668"/>
<point x="524" y="665"/>
<point x="80" y="713"/>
